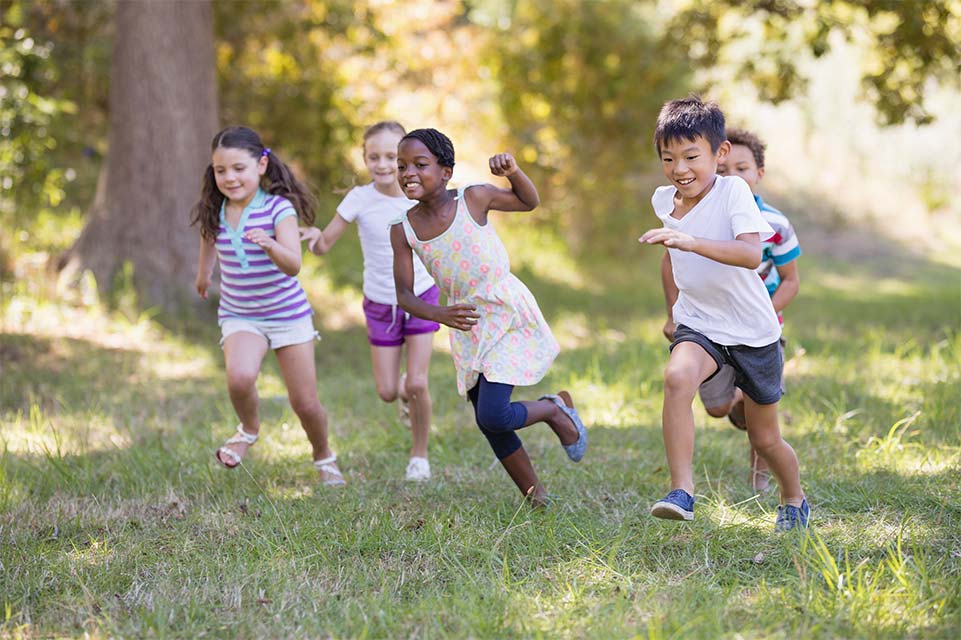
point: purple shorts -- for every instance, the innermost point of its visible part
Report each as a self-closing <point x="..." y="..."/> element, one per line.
<point x="387" y="325"/>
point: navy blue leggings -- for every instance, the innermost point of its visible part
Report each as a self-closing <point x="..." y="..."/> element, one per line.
<point x="498" y="417"/>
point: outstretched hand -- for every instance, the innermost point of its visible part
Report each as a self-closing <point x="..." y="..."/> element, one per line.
<point x="459" y="316"/>
<point x="503" y="164"/>
<point x="311" y="235"/>
<point x="671" y="238"/>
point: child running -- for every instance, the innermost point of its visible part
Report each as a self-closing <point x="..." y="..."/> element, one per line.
<point x="712" y="230"/>
<point x="778" y="270"/>
<point x="248" y="211"/>
<point x="500" y="338"/>
<point x="373" y="207"/>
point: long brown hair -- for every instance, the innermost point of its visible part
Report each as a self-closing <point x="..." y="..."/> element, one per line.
<point x="278" y="180"/>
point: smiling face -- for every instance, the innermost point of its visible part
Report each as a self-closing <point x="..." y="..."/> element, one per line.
<point x="690" y="165"/>
<point x="380" y="157"/>
<point x="237" y="174"/>
<point x="741" y="162"/>
<point x="418" y="172"/>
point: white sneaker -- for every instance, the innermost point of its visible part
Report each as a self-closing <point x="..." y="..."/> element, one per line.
<point x="418" y="470"/>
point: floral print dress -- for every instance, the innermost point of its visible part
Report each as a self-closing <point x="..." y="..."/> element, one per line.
<point x="511" y="342"/>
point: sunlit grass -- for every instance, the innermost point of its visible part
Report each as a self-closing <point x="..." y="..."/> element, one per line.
<point x="118" y="523"/>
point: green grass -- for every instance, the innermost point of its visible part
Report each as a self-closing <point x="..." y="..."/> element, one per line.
<point x="115" y="520"/>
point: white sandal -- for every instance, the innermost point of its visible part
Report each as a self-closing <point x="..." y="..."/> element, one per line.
<point x="329" y="466"/>
<point x="241" y="437"/>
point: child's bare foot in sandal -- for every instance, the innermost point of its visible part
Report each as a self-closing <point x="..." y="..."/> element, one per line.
<point x="329" y="472"/>
<point x="232" y="453"/>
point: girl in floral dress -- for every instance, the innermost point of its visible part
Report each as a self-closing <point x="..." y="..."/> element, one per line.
<point x="500" y="338"/>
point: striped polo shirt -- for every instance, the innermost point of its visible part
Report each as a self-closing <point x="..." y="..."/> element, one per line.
<point x="778" y="250"/>
<point x="252" y="287"/>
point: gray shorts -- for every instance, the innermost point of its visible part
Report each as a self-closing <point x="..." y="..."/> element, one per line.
<point x="277" y="334"/>
<point x="758" y="371"/>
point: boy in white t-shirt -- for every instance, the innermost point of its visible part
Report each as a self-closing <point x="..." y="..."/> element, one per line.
<point x="712" y="230"/>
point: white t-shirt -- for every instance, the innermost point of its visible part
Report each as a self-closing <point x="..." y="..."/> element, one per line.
<point x="728" y="304"/>
<point x="373" y="211"/>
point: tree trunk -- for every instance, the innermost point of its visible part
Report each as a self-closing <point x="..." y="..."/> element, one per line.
<point x="163" y="112"/>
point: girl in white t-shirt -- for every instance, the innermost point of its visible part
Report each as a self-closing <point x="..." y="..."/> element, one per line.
<point x="373" y="207"/>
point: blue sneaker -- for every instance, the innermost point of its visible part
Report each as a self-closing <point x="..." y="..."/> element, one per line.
<point x="677" y="505"/>
<point x="789" y="516"/>
<point x="576" y="450"/>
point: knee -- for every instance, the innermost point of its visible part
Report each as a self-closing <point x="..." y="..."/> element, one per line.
<point x="308" y="408"/>
<point x="717" y="412"/>
<point x="386" y="393"/>
<point x="415" y="386"/>
<point x="241" y="381"/>
<point x="764" y="439"/>
<point x="680" y="380"/>
<point x="493" y="419"/>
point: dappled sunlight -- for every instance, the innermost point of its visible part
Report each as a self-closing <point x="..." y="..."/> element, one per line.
<point x="59" y="435"/>
<point x="543" y="252"/>
<point x="335" y="308"/>
<point x="867" y="286"/>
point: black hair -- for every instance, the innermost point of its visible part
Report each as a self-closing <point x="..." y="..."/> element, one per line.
<point x="278" y="179"/>
<point x="437" y="143"/>
<point x="687" y="118"/>
<point x="747" y="139"/>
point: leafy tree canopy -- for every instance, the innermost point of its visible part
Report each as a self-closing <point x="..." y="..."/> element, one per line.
<point x="909" y="43"/>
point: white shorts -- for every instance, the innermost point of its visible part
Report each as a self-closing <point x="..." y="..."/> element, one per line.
<point x="277" y="334"/>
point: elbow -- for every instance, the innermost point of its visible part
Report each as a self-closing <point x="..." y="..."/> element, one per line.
<point x="753" y="259"/>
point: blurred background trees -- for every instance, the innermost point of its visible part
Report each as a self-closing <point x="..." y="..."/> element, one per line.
<point x="572" y="87"/>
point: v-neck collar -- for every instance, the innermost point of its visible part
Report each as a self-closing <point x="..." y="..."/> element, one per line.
<point x="236" y="236"/>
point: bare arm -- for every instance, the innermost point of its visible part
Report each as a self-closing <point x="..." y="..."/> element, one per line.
<point x="205" y="267"/>
<point x="458" y="316"/>
<point x="670" y="294"/>
<point x="522" y="196"/>
<point x="743" y="251"/>
<point x="320" y="242"/>
<point x="284" y="251"/>
<point x="789" y="287"/>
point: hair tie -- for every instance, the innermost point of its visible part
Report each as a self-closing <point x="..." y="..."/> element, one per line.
<point x="265" y="152"/>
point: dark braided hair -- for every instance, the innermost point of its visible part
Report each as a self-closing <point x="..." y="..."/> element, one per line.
<point x="747" y="139"/>
<point x="688" y="118"/>
<point x="278" y="180"/>
<point x="437" y="143"/>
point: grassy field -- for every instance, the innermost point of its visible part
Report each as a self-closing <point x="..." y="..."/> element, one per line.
<point x="116" y="522"/>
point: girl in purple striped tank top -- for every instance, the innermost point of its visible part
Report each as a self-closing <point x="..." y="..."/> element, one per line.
<point x="247" y="213"/>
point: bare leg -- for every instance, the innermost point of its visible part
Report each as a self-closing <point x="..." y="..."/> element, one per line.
<point x="688" y="366"/>
<point x="721" y="411"/>
<point x="765" y="435"/>
<point x="419" y="349"/>
<point x="386" y="364"/>
<point x="559" y="422"/>
<point x="243" y="354"/>
<point x="300" y="375"/>
<point x="519" y="468"/>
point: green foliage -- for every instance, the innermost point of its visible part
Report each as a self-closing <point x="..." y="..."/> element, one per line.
<point x="27" y="126"/>
<point x="580" y="85"/>
<point x="909" y="43"/>
<point x="52" y="106"/>
<point x="278" y="65"/>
